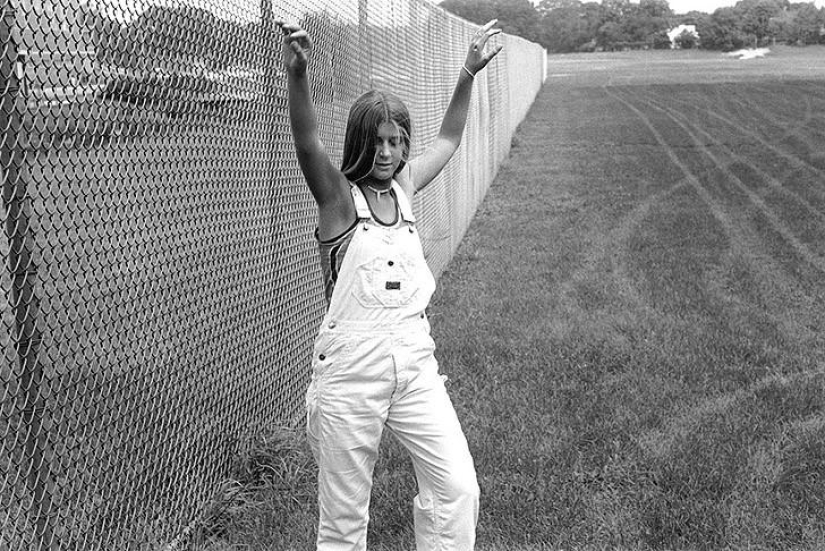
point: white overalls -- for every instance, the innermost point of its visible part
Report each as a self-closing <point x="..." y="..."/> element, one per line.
<point x="373" y="367"/>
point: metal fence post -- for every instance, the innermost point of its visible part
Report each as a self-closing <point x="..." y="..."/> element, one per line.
<point x="365" y="40"/>
<point x="22" y="297"/>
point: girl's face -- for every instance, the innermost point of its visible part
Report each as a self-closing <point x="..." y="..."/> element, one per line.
<point x="389" y="152"/>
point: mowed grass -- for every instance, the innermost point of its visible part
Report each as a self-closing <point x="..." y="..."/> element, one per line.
<point x="633" y="326"/>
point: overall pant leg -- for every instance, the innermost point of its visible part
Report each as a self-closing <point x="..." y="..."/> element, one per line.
<point x="344" y="486"/>
<point x="347" y="404"/>
<point x="425" y="422"/>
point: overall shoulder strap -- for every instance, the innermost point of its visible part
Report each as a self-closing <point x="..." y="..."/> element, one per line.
<point x="362" y="209"/>
<point x="403" y="203"/>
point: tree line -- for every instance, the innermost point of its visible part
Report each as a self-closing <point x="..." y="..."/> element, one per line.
<point x="571" y="25"/>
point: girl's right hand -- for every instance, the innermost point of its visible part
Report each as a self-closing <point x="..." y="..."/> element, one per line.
<point x="297" y="43"/>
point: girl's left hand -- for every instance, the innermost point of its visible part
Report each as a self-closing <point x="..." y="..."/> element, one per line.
<point x="476" y="58"/>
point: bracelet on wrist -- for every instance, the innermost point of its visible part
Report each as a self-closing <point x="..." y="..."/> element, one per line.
<point x="472" y="75"/>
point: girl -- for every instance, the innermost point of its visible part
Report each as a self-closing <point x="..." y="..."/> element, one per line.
<point x="373" y="364"/>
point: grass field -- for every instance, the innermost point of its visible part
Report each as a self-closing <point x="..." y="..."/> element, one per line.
<point x="633" y="326"/>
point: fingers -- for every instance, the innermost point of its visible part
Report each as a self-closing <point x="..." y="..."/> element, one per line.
<point x="488" y="25"/>
<point x="298" y="51"/>
<point x="483" y="35"/>
<point x="294" y="36"/>
<point x="287" y="27"/>
<point x="486" y="36"/>
<point x="300" y="36"/>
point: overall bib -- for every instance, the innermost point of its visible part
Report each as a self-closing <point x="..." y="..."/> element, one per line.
<point x="374" y="367"/>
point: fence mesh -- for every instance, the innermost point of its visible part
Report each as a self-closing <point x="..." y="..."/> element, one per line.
<point x="160" y="286"/>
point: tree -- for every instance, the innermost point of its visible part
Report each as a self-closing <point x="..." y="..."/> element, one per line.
<point x="610" y="35"/>
<point x="799" y="25"/>
<point x="518" y="17"/>
<point x="655" y="9"/>
<point x="686" y="40"/>
<point x="546" y="6"/>
<point x="721" y="30"/>
<point x="615" y="10"/>
<point x="822" y="25"/>
<point x="641" y="23"/>
<point x="692" y="18"/>
<point x="477" y="11"/>
<point x="660" y="41"/>
<point x="565" y="25"/>
<point x="573" y="25"/>
<point x="756" y="17"/>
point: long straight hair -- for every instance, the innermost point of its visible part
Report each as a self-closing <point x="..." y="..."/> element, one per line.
<point x="367" y="113"/>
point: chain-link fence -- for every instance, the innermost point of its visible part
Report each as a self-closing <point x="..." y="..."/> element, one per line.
<point x="161" y="288"/>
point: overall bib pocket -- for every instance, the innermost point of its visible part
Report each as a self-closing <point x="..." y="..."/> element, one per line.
<point x="386" y="282"/>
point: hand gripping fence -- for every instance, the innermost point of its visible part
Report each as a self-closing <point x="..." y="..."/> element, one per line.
<point x="160" y="287"/>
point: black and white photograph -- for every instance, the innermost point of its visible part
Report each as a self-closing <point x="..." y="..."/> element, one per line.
<point x="412" y="275"/>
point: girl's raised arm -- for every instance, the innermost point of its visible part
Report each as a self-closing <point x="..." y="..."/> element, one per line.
<point x="427" y="166"/>
<point x="327" y="184"/>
